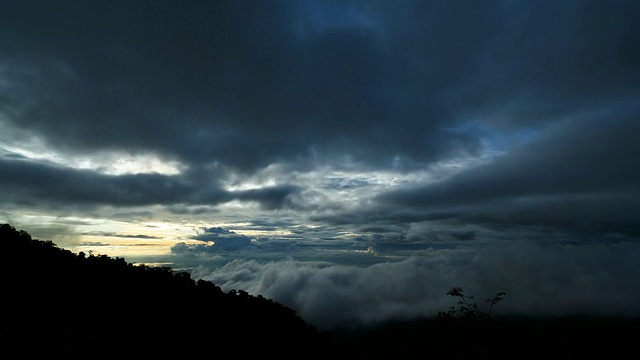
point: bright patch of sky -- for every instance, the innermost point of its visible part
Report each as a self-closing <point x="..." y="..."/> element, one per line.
<point x="109" y="163"/>
<point x="17" y="142"/>
<point x="328" y="187"/>
<point x="129" y="239"/>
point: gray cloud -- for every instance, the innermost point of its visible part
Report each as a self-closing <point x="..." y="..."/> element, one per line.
<point x="582" y="172"/>
<point x="339" y="90"/>
<point x="216" y="240"/>
<point x="126" y="236"/>
<point x="538" y="278"/>
<point x="236" y="84"/>
<point x="39" y="184"/>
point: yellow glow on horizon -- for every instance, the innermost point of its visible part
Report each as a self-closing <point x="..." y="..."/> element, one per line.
<point x="113" y="238"/>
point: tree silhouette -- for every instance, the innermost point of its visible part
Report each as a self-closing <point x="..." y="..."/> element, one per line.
<point x="467" y="307"/>
<point x="62" y="305"/>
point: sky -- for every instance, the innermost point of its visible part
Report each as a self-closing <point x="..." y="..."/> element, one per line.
<point x="350" y="159"/>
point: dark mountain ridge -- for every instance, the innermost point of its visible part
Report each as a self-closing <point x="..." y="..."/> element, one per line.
<point x="60" y="304"/>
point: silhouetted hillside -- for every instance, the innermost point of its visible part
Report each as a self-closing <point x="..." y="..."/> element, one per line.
<point x="57" y="304"/>
<point x="60" y="304"/>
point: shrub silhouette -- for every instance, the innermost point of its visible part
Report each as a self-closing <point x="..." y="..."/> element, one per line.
<point x="467" y="307"/>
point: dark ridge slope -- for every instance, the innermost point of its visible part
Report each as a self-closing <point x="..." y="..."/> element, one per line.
<point x="60" y="304"/>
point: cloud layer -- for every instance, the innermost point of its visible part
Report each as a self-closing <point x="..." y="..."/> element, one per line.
<point x="550" y="279"/>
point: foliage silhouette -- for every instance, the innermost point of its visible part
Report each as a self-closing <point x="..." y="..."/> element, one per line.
<point x="465" y="332"/>
<point x="467" y="307"/>
<point x="62" y="305"/>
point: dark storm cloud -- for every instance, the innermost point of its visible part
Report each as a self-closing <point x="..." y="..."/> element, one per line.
<point x="147" y="75"/>
<point x="243" y="83"/>
<point x="216" y="239"/>
<point x="582" y="172"/>
<point x="181" y="209"/>
<point x="38" y="184"/>
<point x="546" y="59"/>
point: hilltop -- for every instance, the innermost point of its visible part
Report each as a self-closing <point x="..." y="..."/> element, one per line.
<point x="74" y="306"/>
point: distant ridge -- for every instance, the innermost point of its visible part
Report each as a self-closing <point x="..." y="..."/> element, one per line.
<point x="58" y="304"/>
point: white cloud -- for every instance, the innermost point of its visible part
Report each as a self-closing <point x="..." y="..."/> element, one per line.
<point x="18" y="142"/>
<point x="539" y="278"/>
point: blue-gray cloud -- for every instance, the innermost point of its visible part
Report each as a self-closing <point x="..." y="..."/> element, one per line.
<point x="216" y="239"/>
<point x="239" y="86"/>
<point x="582" y="174"/>
<point x="41" y="184"/>
<point x="236" y="84"/>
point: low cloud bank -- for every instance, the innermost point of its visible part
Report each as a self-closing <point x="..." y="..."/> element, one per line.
<point x="539" y="278"/>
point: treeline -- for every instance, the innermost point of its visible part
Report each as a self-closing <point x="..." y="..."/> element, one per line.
<point x="59" y="304"/>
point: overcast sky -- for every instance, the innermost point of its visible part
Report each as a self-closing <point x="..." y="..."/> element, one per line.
<point x="350" y="159"/>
